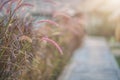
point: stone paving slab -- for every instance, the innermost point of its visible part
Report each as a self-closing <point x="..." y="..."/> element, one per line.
<point x="93" y="61"/>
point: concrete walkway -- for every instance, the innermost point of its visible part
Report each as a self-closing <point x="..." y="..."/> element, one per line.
<point x="93" y="61"/>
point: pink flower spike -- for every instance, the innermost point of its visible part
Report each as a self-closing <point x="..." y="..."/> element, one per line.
<point x="19" y="2"/>
<point x="22" y="5"/>
<point x="5" y="3"/>
<point x="61" y="14"/>
<point x="54" y="43"/>
<point x="49" y="21"/>
<point x="9" y="7"/>
<point x="52" y="2"/>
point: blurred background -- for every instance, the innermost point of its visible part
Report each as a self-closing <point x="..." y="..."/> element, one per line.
<point x="100" y="17"/>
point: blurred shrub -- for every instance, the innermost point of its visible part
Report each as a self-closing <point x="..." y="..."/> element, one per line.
<point x="117" y="32"/>
<point x="48" y="63"/>
<point x="105" y="29"/>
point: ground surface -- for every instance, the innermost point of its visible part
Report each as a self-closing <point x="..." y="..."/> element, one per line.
<point x="93" y="61"/>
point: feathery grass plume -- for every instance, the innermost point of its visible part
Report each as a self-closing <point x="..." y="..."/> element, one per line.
<point x="23" y="5"/>
<point x="4" y="3"/>
<point x="20" y="2"/>
<point x="57" y="14"/>
<point x="49" y="21"/>
<point x="54" y="43"/>
<point x="52" y="2"/>
<point x="11" y="3"/>
<point x="19" y="6"/>
<point x="25" y="38"/>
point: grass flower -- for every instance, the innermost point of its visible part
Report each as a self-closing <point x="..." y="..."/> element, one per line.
<point x="57" y="14"/>
<point x="52" y="2"/>
<point x="25" y="38"/>
<point x="49" y="21"/>
<point x="23" y="5"/>
<point x="54" y="43"/>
